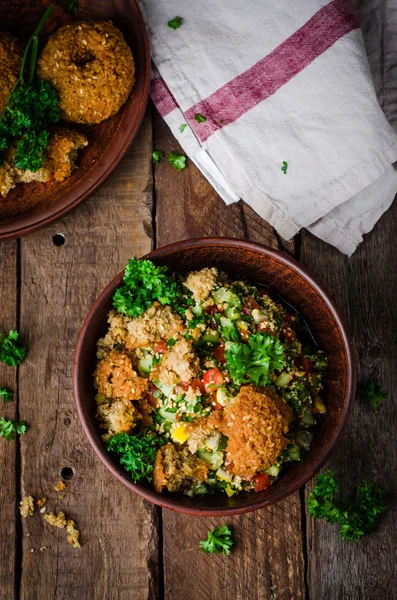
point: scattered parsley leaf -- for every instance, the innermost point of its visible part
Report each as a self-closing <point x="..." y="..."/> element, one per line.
<point x="256" y="360"/>
<point x="6" y="395"/>
<point x="73" y="6"/>
<point x="8" y="428"/>
<point x="182" y="127"/>
<point x="284" y="167"/>
<point x="355" y="517"/>
<point x="220" y="122"/>
<point x="373" y="392"/>
<point x="177" y="160"/>
<point x="137" y="453"/>
<point x="199" y="118"/>
<point x="219" y="541"/>
<point x="143" y="284"/>
<point x="171" y="342"/>
<point x="10" y="353"/>
<point x="157" y="155"/>
<point x="175" y="23"/>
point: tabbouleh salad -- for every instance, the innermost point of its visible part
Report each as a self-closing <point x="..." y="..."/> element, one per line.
<point x="205" y="384"/>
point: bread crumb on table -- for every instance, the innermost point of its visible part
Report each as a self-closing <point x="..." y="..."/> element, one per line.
<point x="74" y="534"/>
<point x="60" y="486"/>
<point x="26" y="506"/>
<point x="56" y="520"/>
<point x="40" y="503"/>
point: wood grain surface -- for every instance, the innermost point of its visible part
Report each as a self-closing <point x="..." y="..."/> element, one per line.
<point x="130" y="549"/>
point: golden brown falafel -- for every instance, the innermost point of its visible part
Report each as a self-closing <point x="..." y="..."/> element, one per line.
<point x="92" y="69"/>
<point x="11" y="52"/>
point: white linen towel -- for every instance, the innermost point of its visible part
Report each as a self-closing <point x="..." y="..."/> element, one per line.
<point x="277" y="82"/>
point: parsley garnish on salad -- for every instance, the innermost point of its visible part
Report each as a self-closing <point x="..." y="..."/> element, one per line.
<point x="10" y="353"/>
<point x="177" y="160"/>
<point x="255" y="361"/>
<point x="157" y="156"/>
<point x="8" y="428"/>
<point x="143" y="284"/>
<point x="199" y="118"/>
<point x="355" y="517"/>
<point x="182" y="127"/>
<point x="219" y="541"/>
<point x="30" y="108"/>
<point x="137" y="453"/>
<point x="373" y="392"/>
<point x="284" y="167"/>
<point x="6" y="395"/>
<point x="175" y="23"/>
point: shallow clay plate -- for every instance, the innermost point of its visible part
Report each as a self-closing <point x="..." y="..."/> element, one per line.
<point x="290" y="281"/>
<point x="31" y="206"/>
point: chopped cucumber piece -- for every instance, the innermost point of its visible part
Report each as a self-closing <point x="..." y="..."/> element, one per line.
<point x="214" y="459"/>
<point x="307" y="419"/>
<point x="273" y="470"/>
<point x="145" y="364"/>
<point x="224" y="475"/>
<point x="259" y="316"/>
<point x="167" y="415"/>
<point x="293" y="452"/>
<point x="232" y="313"/>
<point x="283" y="379"/>
<point x="226" y="296"/>
<point x="303" y="438"/>
<point x="211" y="337"/>
<point x="197" y="310"/>
<point x="212" y="442"/>
<point x="166" y="389"/>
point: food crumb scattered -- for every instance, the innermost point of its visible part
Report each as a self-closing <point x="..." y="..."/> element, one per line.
<point x="56" y="520"/>
<point x="40" y="503"/>
<point x="74" y="534"/>
<point x="26" y="506"/>
<point x="43" y="509"/>
<point x="43" y="548"/>
<point x="60" y="486"/>
<point x="32" y="549"/>
<point x="28" y="535"/>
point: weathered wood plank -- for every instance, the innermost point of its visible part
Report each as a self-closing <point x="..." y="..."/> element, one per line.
<point x="8" y="450"/>
<point x="365" y="288"/>
<point x="268" y="560"/>
<point x="118" y="557"/>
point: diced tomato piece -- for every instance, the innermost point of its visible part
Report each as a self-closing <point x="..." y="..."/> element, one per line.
<point x="160" y="347"/>
<point x="211" y="310"/>
<point x="246" y="310"/>
<point x="218" y="406"/>
<point x="197" y="384"/>
<point x="219" y="353"/>
<point x="178" y="416"/>
<point x="150" y="397"/>
<point x="251" y="303"/>
<point x="261" y="481"/>
<point x="212" y="380"/>
<point x="307" y="367"/>
<point x="184" y="386"/>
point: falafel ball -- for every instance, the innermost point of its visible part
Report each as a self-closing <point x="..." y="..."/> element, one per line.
<point x="11" y="52"/>
<point x="92" y="69"/>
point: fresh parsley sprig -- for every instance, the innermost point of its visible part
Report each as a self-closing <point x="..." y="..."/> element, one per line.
<point x="6" y="395"/>
<point x="10" y="353"/>
<point x="175" y="23"/>
<point x="137" y="453"/>
<point x="373" y="392"/>
<point x="157" y="156"/>
<point x="178" y="161"/>
<point x="256" y="360"/>
<point x="31" y="106"/>
<point x="143" y="284"/>
<point x="355" y="517"/>
<point x="8" y="428"/>
<point x="219" y="541"/>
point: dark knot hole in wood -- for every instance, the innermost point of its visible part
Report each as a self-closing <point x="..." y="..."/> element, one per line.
<point x="67" y="473"/>
<point x="58" y="239"/>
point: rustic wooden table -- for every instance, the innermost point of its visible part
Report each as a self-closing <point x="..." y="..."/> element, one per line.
<point x="131" y="549"/>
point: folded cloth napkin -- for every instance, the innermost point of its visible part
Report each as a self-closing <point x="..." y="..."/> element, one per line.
<point x="280" y="110"/>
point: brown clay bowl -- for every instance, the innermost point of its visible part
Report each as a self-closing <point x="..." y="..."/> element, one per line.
<point x="31" y="206"/>
<point x="291" y="282"/>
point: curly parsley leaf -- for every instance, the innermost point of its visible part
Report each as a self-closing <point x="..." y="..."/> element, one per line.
<point x="10" y="353"/>
<point x="6" y="395"/>
<point x="72" y="6"/>
<point x="284" y="167"/>
<point x="137" y="453"/>
<point x="157" y="156"/>
<point x="219" y="541"/>
<point x="355" y="517"/>
<point x="8" y="428"/>
<point x="255" y="361"/>
<point x="175" y="23"/>
<point x="177" y="160"/>
<point x="143" y="284"/>
<point x="373" y="392"/>
<point x="182" y="127"/>
<point x="199" y="118"/>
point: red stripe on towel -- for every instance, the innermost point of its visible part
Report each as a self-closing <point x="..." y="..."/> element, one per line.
<point x="162" y="98"/>
<point x="234" y="99"/>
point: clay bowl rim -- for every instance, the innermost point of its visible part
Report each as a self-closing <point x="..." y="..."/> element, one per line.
<point x="101" y="170"/>
<point x="167" y="501"/>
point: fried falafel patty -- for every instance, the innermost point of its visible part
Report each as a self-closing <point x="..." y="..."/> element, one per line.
<point x="92" y="69"/>
<point x="11" y="52"/>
